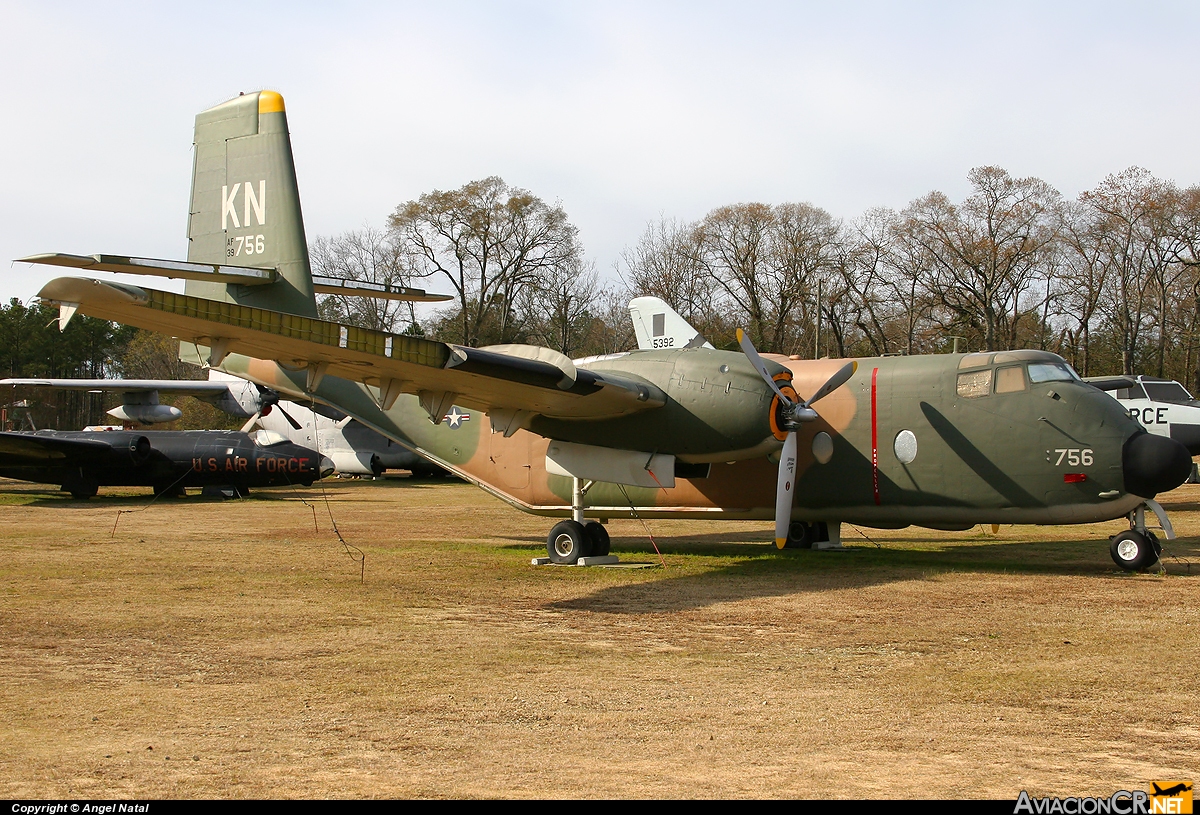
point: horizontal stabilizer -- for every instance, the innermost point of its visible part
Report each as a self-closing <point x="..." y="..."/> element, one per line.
<point x="380" y="291"/>
<point x="210" y="272"/>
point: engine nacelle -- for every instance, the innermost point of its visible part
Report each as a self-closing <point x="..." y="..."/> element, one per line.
<point x="350" y="463"/>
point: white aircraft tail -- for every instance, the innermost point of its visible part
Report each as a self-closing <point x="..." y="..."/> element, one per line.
<point x="657" y="325"/>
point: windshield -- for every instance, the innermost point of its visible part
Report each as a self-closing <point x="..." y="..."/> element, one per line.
<point x="265" y="438"/>
<point x="1166" y="392"/>
<point x="1051" y="372"/>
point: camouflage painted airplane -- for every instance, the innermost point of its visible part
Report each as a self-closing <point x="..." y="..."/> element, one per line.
<point x="675" y="430"/>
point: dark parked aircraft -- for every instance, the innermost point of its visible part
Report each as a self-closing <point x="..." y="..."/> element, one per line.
<point x="167" y="460"/>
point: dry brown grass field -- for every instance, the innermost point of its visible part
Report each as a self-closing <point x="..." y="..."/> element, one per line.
<point x="226" y="649"/>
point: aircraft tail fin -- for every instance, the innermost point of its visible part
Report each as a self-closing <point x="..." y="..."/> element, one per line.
<point x="245" y="204"/>
<point x="657" y="325"/>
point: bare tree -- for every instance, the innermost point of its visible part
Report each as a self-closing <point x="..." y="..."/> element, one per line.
<point x="487" y="240"/>
<point x="561" y="305"/>
<point x="986" y="253"/>
<point x="368" y="255"/>
<point x="1131" y="222"/>
<point x="665" y="263"/>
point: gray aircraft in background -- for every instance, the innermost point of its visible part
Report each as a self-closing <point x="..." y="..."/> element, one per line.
<point x="353" y="448"/>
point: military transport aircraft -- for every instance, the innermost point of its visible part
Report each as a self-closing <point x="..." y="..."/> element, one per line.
<point x="353" y="448"/>
<point x="167" y="460"/>
<point x="945" y="441"/>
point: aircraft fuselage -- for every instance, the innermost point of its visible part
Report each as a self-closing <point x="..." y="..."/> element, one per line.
<point x="945" y="440"/>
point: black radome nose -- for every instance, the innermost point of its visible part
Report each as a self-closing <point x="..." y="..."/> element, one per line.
<point x="1154" y="464"/>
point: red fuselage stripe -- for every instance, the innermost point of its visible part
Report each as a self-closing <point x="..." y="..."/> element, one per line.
<point x="874" y="435"/>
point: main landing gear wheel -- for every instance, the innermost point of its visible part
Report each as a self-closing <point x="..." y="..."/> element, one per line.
<point x="1135" y="551"/>
<point x="600" y="539"/>
<point x="567" y="542"/>
<point x="82" y="490"/>
<point x="799" y="536"/>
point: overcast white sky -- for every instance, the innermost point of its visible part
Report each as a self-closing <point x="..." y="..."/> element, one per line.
<point x="621" y="111"/>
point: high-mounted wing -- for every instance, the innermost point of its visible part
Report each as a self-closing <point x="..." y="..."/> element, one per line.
<point x="508" y="378"/>
<point x="186" y="387"/>
<point x="1111" y="383"/>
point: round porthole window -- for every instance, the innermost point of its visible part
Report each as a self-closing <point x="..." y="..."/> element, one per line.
<point x="906" y="446"/>
<point x="822" y="447"/>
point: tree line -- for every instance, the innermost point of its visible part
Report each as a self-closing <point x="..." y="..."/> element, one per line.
<point x="1108" y="280"/>
<point x="31" y="346"/>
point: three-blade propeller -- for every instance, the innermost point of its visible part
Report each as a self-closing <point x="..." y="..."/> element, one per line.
<point x="792" y="414"/>
<point x="268" y="399"/>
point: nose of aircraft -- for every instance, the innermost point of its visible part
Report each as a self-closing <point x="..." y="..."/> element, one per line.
<point x="327" y="467"/>
<point x="1154" y="464"/>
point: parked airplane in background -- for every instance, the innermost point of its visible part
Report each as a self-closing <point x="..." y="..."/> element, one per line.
<point x="167" y="460"/>
<point x="353" y="448"/>
<point x="945" y="441"/>
<point x="1164" y="408"/>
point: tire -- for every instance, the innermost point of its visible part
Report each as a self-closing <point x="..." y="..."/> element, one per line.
<point x="600" y="540"/>
<point x="1133" y="551"/>
<point x="800" y="536"/>
<point x="567" y="542"/>
<point x="82" y="490"/>
<point x="169" y="491"/>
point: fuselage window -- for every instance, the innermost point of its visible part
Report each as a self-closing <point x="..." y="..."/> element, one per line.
<point x="975" y="383"/>
<point x="1135" y="392"/>
<point x="1010" y="380"/>
<point x="1051" y="372"/>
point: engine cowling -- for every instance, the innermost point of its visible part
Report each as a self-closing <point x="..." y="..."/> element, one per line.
<point x="350" y="463"/>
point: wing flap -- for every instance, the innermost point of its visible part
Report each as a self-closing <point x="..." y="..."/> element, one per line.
<point x="481" y="378"/>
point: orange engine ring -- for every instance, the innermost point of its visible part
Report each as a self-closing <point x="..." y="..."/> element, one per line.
<point x="784" y="381"/>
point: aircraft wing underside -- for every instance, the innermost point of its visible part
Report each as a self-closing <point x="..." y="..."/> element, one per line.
<point x="508" y="378"/>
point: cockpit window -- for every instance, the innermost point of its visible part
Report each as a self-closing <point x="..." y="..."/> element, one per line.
<point x="1010" y="379"/>
<point x="1051" y="372"/>
<point x="266" y="438"/>
<point x="975" y="383"/>
<point x="1167" y="392"/>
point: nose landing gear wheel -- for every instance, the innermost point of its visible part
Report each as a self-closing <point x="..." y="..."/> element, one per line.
<point x="600" y="539"/>
<point x="1134" y="551"/>
<point x="567" y="542"/>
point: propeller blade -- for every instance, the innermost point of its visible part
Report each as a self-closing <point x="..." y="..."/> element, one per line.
<point x="784" y="487"/>
<point x="250" y="422"/>
<point x="752" y="354"/>
<point x="295" y="424"/>
<point x="834" y="382"/>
